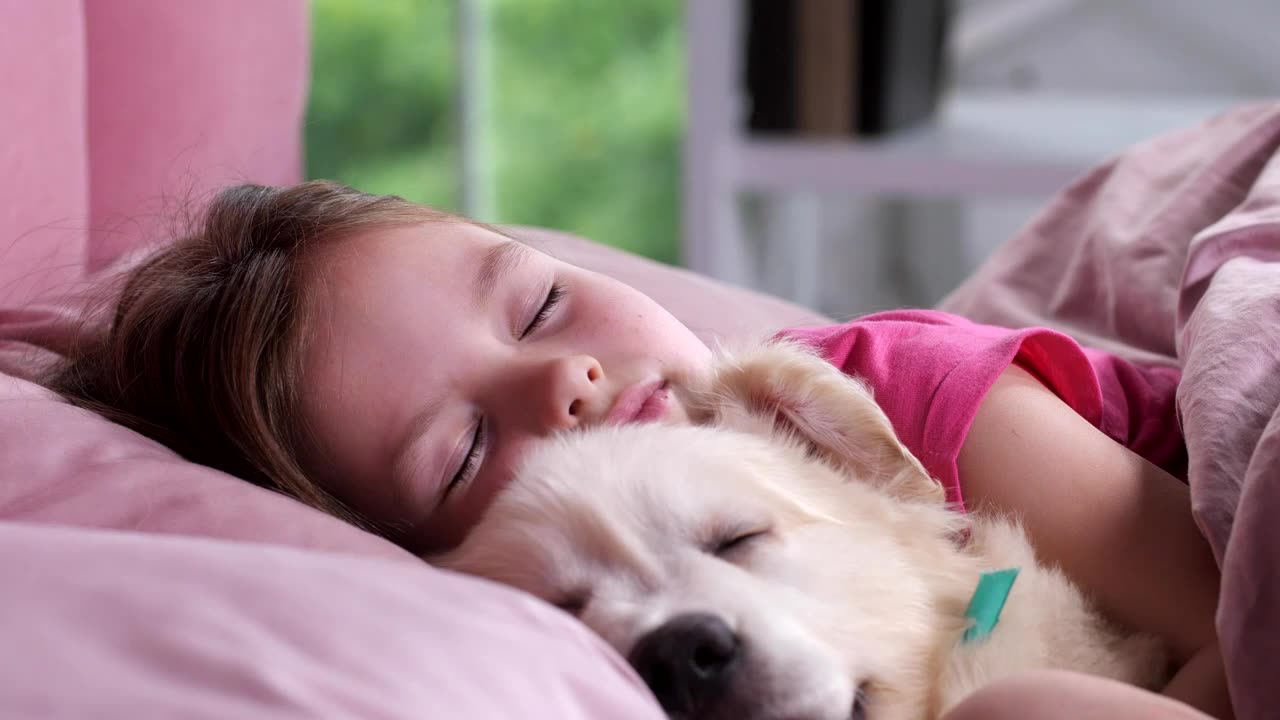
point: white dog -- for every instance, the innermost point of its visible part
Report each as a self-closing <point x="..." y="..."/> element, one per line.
<point x="785" y="558"/>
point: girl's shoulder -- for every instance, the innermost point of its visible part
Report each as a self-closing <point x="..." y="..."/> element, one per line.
<point x="892" y="326"/>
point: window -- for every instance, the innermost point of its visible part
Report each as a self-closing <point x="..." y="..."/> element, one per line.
<point x="581" y="124"/>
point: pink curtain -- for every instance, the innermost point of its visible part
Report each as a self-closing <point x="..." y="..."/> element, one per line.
<point x="117" y="117"/>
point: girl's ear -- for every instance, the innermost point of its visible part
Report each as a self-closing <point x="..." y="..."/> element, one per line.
<point x="784" y="390"/>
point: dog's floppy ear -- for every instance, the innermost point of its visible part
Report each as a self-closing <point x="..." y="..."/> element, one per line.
<point x="783" y="388"/>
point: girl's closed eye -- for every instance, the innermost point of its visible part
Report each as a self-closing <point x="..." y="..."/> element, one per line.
<point x="553" y="298"/>
<point x="471" y="461"/>
<point x="470" y="464"/>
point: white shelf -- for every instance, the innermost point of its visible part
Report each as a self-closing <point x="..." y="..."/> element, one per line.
<point x="1017" y="145"/>
<point x="997" y="144"/>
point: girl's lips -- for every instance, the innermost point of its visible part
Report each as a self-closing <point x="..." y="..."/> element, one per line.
<point x="642" y="402"/>
<point x="655" y="408"/>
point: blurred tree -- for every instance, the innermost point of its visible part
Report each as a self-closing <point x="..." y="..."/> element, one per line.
<point x="379" y="115"/>
<point x="587" y="109"/>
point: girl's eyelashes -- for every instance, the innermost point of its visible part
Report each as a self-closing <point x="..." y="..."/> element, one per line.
<point x="470" y="464"/>
<point x="554" y="296"/>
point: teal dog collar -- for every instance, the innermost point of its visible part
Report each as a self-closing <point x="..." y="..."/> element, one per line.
<point x="987" y="603"/>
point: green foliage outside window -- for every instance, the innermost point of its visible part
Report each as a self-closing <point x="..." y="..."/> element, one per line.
<point x="587" y="106"/>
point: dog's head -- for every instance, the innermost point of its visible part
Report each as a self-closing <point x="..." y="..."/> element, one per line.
<point x="779" y="561"/>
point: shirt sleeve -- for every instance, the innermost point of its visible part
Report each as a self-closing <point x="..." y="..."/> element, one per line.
<point x="930" y="371"/>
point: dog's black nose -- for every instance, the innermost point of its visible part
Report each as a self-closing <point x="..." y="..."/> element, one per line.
<point x="687" y="661"/>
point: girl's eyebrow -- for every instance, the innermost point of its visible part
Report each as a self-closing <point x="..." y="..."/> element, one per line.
<point x="497" y="262"/>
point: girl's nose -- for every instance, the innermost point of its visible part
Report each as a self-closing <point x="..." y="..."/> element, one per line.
<point x="571" y="393"/>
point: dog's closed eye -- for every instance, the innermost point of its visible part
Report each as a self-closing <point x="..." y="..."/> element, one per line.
<point x="573" y="603"/>
<point x="730" y="543"/>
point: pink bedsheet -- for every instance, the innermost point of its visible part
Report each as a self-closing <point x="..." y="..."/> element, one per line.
<point x="112" y="624"/>
<point x="1171" y="254"/>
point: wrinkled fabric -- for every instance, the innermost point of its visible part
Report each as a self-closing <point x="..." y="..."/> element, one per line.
<point x="114" y="624"/>
<point x="1170" y="253"/>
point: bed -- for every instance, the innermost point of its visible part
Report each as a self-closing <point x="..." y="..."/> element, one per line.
<point x="136" y="584"/>
<point x="140" y="584"/>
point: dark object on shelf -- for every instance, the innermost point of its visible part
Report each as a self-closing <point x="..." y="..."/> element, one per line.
<point x="771" y="65"/>
<point x="843" y="67"/>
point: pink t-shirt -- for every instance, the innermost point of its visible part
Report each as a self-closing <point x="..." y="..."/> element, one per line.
<point x="930" y="370"/>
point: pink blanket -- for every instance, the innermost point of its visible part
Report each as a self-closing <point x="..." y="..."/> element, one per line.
<point x="1171" y="254"/>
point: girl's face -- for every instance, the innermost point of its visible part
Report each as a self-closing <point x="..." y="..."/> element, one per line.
<point x="438" y="352"/>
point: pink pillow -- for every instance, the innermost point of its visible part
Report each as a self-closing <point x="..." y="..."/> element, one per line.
<point x="45" y="186"/>
<point x="125" y="625"/>
<point x="67" y="466"/>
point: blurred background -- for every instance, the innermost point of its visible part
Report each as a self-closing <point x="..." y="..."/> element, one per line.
<point x="849" y="154"/>
<point x="582" y="108"/>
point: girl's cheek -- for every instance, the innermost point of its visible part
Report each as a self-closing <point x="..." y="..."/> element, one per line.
<point x="503" y="469"/>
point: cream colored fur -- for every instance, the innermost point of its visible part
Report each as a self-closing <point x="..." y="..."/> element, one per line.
<point x="859" y="583"/>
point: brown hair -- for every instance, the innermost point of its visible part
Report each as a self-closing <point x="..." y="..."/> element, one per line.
<point x="204" y="349"/>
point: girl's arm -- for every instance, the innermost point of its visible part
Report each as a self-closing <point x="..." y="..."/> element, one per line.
<point x="1060" y="695"/>
<point x="1120" y="527"/>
